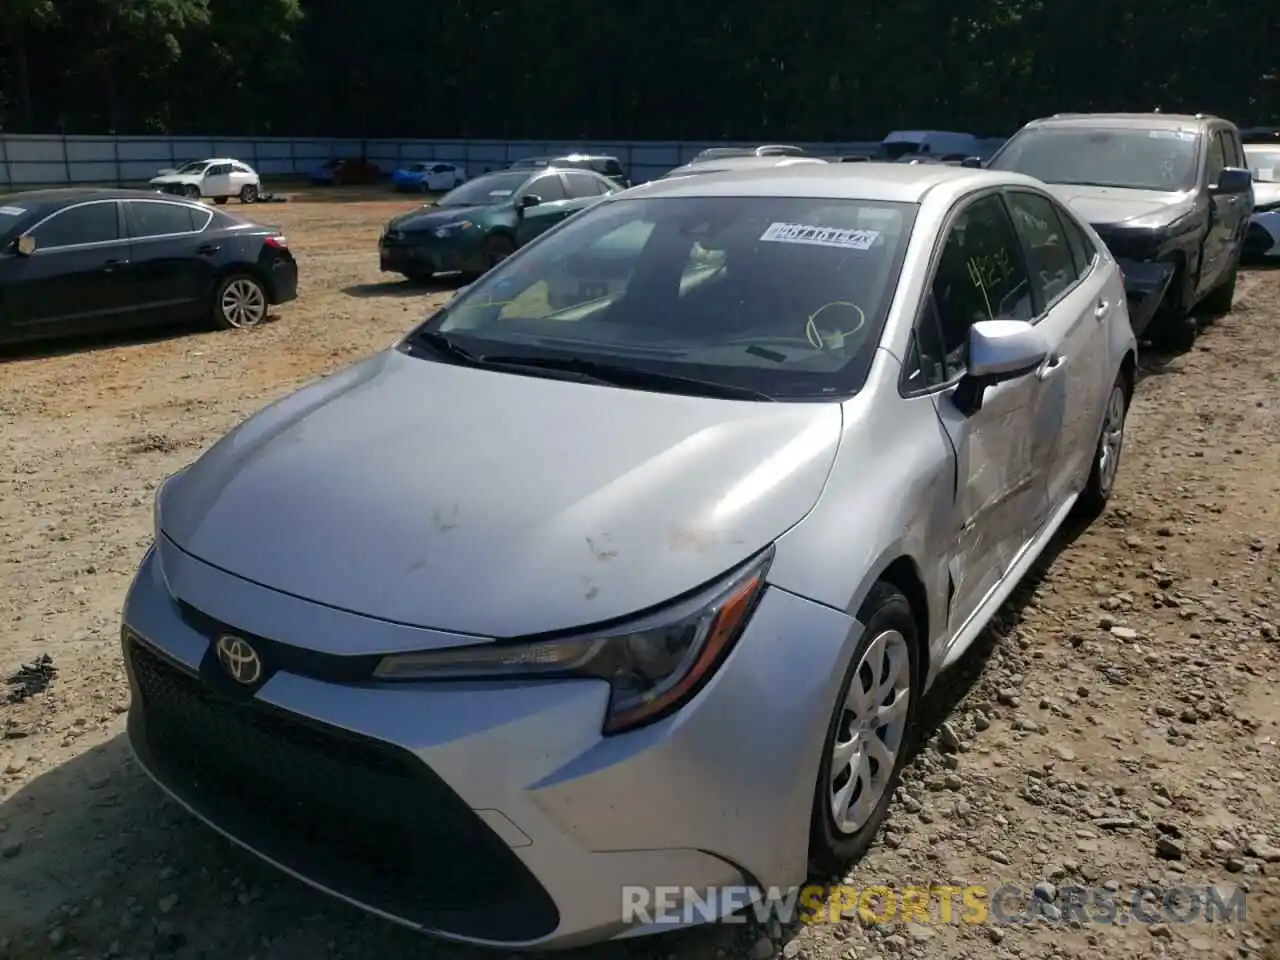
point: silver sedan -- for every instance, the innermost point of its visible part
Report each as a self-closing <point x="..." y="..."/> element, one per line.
<point x="643" y="584"/>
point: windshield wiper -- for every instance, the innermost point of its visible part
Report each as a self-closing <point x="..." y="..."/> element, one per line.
<point x="446" y="346"/>
<point x="621" y="375"/>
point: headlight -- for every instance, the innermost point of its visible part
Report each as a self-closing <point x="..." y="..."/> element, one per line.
<point x="449" y="229"/>
<point x="652" y="666"/>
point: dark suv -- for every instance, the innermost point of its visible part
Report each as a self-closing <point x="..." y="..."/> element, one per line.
<point x="1169" y="194"/>
<point x="602" y="164"/>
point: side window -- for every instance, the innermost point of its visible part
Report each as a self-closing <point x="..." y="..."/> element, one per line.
<point x="926" y="364"/>
<point x="1216" y="159"/>
<point x="582" y="185"/>
<point x="148" y="219"/>
<point x="1232" y="150"/>
<point x="1082" y="248"/>
<point x="89" y="223"/>
<point x="241" y="168"/>
<point x="439" y="168"/>
<point x="979" y="276"/>
<point x="1049" y="259"/>
<point x="548" y="188"/>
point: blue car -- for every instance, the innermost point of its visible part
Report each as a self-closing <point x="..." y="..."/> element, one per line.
<point x="429" y="177"/>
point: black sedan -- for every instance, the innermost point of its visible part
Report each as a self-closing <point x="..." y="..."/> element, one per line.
<point x="82" y="260"/>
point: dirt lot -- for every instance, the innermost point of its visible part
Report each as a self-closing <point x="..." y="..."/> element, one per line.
<point x="1120" y="727"/>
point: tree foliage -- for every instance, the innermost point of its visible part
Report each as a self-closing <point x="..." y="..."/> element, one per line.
<point x="664" y="69"/>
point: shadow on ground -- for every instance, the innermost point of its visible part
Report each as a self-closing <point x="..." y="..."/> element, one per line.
<point x="405" y="288"/>
<point x="136" y="336"/>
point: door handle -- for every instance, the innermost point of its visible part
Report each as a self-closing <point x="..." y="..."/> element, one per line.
<point x="1051" y="366"/>
<point x="208" y="249"/>
<point x="1101" y="309"/>
<point x="112" y="265"/>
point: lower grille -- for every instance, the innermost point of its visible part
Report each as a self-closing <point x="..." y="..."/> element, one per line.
<point x="360" y="817"/>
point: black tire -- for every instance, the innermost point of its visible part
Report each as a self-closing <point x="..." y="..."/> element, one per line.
<point x="1107" y="452"/>
<point x="1218" y="302"/>
<point x="831" y="849"/>
<point x="191" y="191"/>
<point x="248" y="193"/>
<point x="252" y="295"/>
<point x="219" y="200"/>
<point x="497" y="248"/>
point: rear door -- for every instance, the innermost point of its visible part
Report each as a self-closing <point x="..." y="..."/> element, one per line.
<point x="76" y="278"/>
<point x="1001" y="488"/>
<point x="584" y="188"/>
<point x="172" y="260"/>
<point x="1241" y="211"/>
<point x="1222" y="218"/>
<point x="553" y="206"/>
<point x="1071" y="311"/>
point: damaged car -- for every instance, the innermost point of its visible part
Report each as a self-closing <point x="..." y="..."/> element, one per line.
<point x="1169" y="194"/>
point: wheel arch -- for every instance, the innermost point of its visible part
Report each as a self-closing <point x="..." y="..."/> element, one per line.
<point x="903" y="574"/>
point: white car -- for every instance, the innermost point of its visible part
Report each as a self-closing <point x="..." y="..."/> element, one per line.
<point x="428" y="177"/>
<point x="216" y="179"/>
<point x="1263" y="238"/>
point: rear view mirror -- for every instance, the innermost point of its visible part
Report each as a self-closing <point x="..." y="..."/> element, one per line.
<point x="1233" y="181"/>
<point x="999" y="350"/>
<point x="26" y="245"/>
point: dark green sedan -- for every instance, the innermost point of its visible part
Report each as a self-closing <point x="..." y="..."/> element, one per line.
<point x="483" y="221"/>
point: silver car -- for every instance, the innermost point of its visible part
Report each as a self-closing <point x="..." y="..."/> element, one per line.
<point x="737" y="163"/>
<point x="646" y="588"/>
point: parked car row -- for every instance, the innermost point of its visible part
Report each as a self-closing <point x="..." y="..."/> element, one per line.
<point x="82" y="260"/>
<point x="643" y="556"/>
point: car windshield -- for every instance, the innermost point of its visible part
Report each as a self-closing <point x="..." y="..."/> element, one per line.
<point x="195" y="166"/>
<point x="720" y="153"/>
<point x="1127" y="159"/>
<point x="1264" y="163"/>
<point x="780" y="296"/>
<point x="494" y="188"/>
<point x="529" y="163"/>
<point x="12" y="215"/>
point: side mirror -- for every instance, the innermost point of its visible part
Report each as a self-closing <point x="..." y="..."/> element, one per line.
<point x="999" y="350"/>
<point x="26" y="245"/>
<point x="973" y="163"/>
<point x="1233" y="181"/>
<point x="529" y="200"/>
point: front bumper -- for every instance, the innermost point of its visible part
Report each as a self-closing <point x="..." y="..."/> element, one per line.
<point x="428" y="254"/>
<point x="491" y="813"/>
<point x="1145" y="285"/>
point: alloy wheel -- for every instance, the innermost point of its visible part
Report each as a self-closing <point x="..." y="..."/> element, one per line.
<point x="872" y="731"/>
<point x="243" y="303"/>
<point x="1112" y="439"/>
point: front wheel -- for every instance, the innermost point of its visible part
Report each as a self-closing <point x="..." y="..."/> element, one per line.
<point x="870" y="733"/>
<point x="1106" y="455"/>
<point x="497" y="249"/>
<point x="191" y="191"/>
<point x="248" y="193"/>
<point x="240" y="302"/>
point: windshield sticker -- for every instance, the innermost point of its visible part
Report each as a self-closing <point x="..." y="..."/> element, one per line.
<point x="501" y="193"/>
<point x="1171" y="134"/>
<point x="12" y="211"/>
<point x="817" y="236"/>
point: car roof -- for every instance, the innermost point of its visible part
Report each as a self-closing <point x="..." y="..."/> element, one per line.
<point x="748" y="162"/>
<point x="64" y="196"/>
<point x="1145" y="121"/>
<point x="893" y="182"/>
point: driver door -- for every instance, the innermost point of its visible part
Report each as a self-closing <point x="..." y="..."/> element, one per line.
<point x="1001" y="495"/>
<point x="217" y="181"/>
<point x="553" y="206"/>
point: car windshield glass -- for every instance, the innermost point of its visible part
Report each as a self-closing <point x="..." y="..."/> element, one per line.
<point x="1264" y="162"/>
<point x="1128" y="159"/>
<point x="720" y="153"/>
<point x="195" y="166"/>
<point x="495" y="188"/>
<point x="782" y="296"/>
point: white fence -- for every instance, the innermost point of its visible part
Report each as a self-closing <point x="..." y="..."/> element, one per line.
<point x="28" y="161"/>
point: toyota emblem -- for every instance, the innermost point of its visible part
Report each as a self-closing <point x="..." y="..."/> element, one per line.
<point x="239" y="659"/>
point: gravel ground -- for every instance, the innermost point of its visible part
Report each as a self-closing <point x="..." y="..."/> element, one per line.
<point x="1118" y="729"/>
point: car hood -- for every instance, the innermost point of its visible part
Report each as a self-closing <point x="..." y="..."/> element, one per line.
<point x="494" y="504"/>
<point x="428" y="218"/>
<point x="176" y="178"/>
<point x="1114" y="206"/>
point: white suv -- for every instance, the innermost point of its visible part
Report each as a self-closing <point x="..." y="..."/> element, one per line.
<point x="216" y="179"/>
